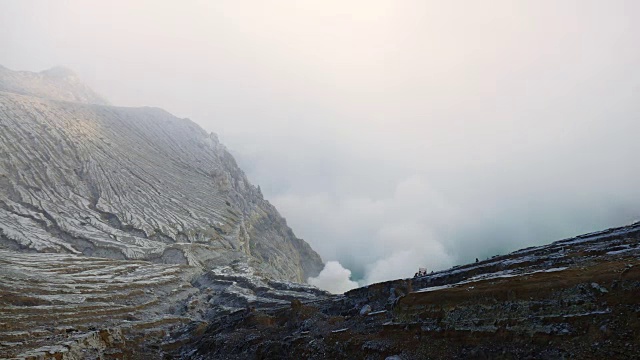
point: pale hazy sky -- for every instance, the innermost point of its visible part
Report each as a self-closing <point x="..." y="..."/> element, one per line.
<point x="390" y="134"/>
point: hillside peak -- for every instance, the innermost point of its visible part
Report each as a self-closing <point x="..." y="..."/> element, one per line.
<point x="59" y="72"/>
<point x="56" y="83"/>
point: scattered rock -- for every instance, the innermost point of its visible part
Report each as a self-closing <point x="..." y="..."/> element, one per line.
<point x="365" y="310"/>
<point x="599" y="288"/>
<point x="376" y="345"/>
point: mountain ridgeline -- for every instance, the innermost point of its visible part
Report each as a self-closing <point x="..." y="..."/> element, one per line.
<point x="79" y="176"/>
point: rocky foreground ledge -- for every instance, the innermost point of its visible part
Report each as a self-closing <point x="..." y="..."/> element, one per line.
<point x="577" y="298"/>
<point x="61" y="306"/>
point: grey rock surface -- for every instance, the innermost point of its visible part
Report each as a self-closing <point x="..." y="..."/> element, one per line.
<point x="73" y="307"/>
<point x="122" y="226"/>
<point x="365" y="310"/>
<point x="129" y="183"/>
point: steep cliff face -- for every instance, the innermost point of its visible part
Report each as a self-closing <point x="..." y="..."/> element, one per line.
<point x="81" y="177"/>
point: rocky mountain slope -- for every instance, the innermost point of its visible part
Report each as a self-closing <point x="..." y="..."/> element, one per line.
<point x="120" y="226"/>
<point x="129" y="183"/>
<point x="127" y="233"/>
<point x="572" y="299"/>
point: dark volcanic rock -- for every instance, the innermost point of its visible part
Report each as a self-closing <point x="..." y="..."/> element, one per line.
<point x="576" y="298"/>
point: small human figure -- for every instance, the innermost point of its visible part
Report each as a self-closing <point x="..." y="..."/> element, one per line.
<point x="476" y="259"/>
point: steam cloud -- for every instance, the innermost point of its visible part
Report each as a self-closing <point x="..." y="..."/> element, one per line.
<point x="334" y="278"/>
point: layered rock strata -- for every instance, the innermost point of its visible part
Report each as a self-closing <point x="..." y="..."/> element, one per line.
<point x="123" y="227"/>
<point x="130" y="183"/>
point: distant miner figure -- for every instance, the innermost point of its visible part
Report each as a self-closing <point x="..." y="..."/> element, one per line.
<point x="421" y="272"/>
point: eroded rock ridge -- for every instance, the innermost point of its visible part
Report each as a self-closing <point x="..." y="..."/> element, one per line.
<point x="129" y="183"/>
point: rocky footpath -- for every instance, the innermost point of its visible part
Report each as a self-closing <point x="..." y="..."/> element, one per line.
<point x="575" y="298"/>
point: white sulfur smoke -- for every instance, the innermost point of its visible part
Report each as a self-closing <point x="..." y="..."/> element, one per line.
<point x="334" y="278"/>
